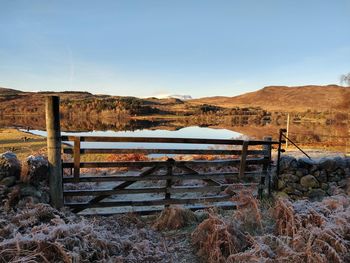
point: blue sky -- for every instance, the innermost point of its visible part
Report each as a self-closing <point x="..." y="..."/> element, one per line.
<point x="146" y="48"/>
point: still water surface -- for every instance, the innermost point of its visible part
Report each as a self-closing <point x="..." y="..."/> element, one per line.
<point x="187" y="132"/>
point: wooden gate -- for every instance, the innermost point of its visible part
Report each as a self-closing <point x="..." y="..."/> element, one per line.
<point x="169" y="171"/>
<point x="172" y="171"/>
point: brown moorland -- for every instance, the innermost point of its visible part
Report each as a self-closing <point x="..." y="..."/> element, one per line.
<point x="271" y="98"/>
<point x="285" y="98"/>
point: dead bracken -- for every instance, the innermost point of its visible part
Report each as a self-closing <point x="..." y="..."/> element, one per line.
<point x="274" y="230"/>
<point x="174" y="218"/>
<point x="40" y="233"/>
<point x="283" y="231"/>
<point x="304" y="232"/>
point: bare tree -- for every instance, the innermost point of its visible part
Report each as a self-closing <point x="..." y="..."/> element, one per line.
<point x="345" y="79"/>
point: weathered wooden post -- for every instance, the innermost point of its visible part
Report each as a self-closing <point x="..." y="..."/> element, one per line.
<point x="279" y="151"/>
<point x="288" y="120"/>
<point x="267" y="156"/>
<point x="170" y="166"/>
<point x="54" y="150"/>
<point x="242" y="164"/>
<point x="267" y="147"/>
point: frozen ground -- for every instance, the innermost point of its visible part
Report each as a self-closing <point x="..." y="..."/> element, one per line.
<point x="279" y="231"/>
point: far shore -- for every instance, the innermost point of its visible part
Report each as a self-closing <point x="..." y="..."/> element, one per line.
<point x="24" y="144"/>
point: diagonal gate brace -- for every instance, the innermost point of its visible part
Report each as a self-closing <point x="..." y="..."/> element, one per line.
<point x="118" y="187"/>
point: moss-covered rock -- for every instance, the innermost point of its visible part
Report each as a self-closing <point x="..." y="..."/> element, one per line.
<point x="288" y="163"/>
<point x="321" y="176"/>
<point x="309" y="181"/>
<point x="306" y="163"/>
<point x="301" y="172"/>
<point x="290" y="178"/>
<point x="9" y="165"/>
<point x="37" y="170"/>
<point x="327" y="164"/>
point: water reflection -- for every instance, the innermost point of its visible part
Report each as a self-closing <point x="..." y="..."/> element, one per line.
<point x="308" y="134"/>
<point x="188" y="132"/>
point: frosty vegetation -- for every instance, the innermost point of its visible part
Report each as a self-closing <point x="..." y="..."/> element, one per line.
<point x="285" y="231"/>
<point x="268" y="230"/>
<point x="38" y="233"/>
<point x="302" y="231"/>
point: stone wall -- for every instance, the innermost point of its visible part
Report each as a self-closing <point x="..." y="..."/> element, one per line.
<point x="23" y="182"/>
<point x="300" y="178"/>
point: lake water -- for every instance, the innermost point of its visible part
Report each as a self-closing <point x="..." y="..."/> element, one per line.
<point x="187" y="132"/>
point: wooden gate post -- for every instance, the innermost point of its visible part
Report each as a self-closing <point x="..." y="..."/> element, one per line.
<point x="170" y="166"/>
<point x="242" y="164"/>
<point x="280" y="150"/>
<point x="267" y="147"/>
<point x="267" y="156"/>
<point x="54" y="150"/>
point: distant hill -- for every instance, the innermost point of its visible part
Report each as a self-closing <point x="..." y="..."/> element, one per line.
<point x="14" y="102"/>
<point x="181" y="97"/>
<point x="285" y="98"/>
<point x="271" y="98"/>
<point x="174" y="96"/>
<point x="6" y="91"/>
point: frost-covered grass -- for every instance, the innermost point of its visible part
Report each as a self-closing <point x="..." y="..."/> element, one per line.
<point x="267" y="231"/>
<point x="39" y="233"/>
<point x="302" y="231"/>
<point x="13" y="140"/>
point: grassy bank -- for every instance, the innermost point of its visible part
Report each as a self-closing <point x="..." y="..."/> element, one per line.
<point x="21" y="143"/>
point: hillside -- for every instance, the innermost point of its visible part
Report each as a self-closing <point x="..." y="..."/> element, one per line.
<point x="6" y="91"/>
<point x="273" y="99"/>
<point x="13" y="102"/>
<point x="286" y="98"/>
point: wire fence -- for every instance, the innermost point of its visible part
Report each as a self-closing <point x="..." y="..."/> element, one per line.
<point x="320" y="135"/>
<point x="316" y="141"/>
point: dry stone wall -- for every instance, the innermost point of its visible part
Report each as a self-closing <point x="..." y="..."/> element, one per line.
<point x="27" y="181"/>
<point x="300" y="178"/>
